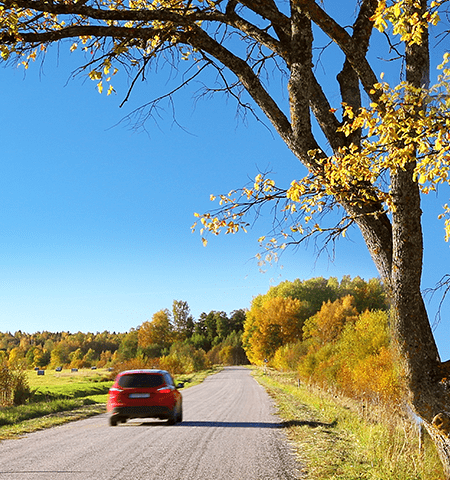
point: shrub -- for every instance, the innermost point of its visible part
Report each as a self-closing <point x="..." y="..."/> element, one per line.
<point x="184" y="358"/>
<point x="173" y="365"/>
<point x="213" y="355"/>
<point x="287" y="357"/>
<point x="21" y="389"/>
<point x="5" y="384"/>
<point x="14" y="388"/>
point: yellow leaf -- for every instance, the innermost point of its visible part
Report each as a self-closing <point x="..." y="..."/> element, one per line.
<point x="94" y="75"/>
<point x="204" y="241"/>
<point x="397" y="10"/>
<point x="422" y="179"/>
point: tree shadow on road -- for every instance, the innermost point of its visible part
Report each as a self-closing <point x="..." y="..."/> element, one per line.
<point x="213" y="424"/>
<point x="309" y="423"/>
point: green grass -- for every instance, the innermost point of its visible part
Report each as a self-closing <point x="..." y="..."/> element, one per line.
<point x="20" y="413"/>
<point x="335" y="440"/>
<point x="76" y="410"/>
<point x="85" y="383"/>
<point x="58" y="397"/>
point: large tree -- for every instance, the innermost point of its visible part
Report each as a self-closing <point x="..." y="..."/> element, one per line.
<point x="182" y="320"/>
<point x="157" y="335"/>
<point x="368" y="148"/>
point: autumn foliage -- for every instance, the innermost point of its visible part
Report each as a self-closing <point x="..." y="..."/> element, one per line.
<point x="270" y="324"/>
<point x="332" y="333"/>
<point x="170" y="339"/>
<point x="354" y="356"/>
<point x="340" y="346"/>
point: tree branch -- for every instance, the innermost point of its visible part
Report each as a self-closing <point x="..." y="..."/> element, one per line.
<point x="346" y="43"/>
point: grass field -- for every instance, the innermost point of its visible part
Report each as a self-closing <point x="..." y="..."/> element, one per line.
<point x="58" y="397"/>
<point x="85" y="383"/>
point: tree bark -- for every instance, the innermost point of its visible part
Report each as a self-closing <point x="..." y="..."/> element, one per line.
<point x="429" y="393"/>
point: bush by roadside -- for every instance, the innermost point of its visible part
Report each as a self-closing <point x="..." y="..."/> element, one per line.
<point x="14" y="387"/>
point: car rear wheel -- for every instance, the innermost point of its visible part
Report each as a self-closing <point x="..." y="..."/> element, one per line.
<point x="113" y="421"/>
<point x="180" y="415"/>
<point x="173" y="417"/>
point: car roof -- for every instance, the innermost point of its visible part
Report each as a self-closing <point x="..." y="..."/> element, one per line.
<point x="149" y="371"/>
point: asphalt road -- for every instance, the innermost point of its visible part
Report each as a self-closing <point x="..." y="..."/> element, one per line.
<point x="229" y="432"/>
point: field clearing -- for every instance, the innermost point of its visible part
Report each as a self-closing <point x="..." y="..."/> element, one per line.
<point x="84" y="383"/>
<point x="66" y="377"/>
<point x="57" y="397"/>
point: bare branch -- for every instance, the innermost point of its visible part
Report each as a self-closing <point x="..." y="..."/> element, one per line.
<point x="444" y="286"/>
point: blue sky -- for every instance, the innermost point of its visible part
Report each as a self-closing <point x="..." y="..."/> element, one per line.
<point x="95" y="217"/>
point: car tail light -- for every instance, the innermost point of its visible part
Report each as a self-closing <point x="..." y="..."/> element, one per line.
<point x="114" y="389"/>
<point x="164" y="390"/>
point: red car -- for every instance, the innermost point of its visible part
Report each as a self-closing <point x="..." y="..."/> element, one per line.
<point x="142" y="394"/>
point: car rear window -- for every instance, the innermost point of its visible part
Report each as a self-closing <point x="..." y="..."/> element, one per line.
<point x="141" y="380"/>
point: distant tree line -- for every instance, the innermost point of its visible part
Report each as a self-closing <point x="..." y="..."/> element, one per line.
<point x="330" y="332"/>
<point x="153" y="339"/>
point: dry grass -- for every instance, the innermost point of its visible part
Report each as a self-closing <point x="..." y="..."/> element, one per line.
<point x="337" y="439"/>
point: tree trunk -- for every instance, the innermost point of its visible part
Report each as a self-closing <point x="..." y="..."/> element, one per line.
<point x="439" y="431"/>
<point x="426" y="380"/>
<point x="425" y="376"/>
<point x="427" y="387"/>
